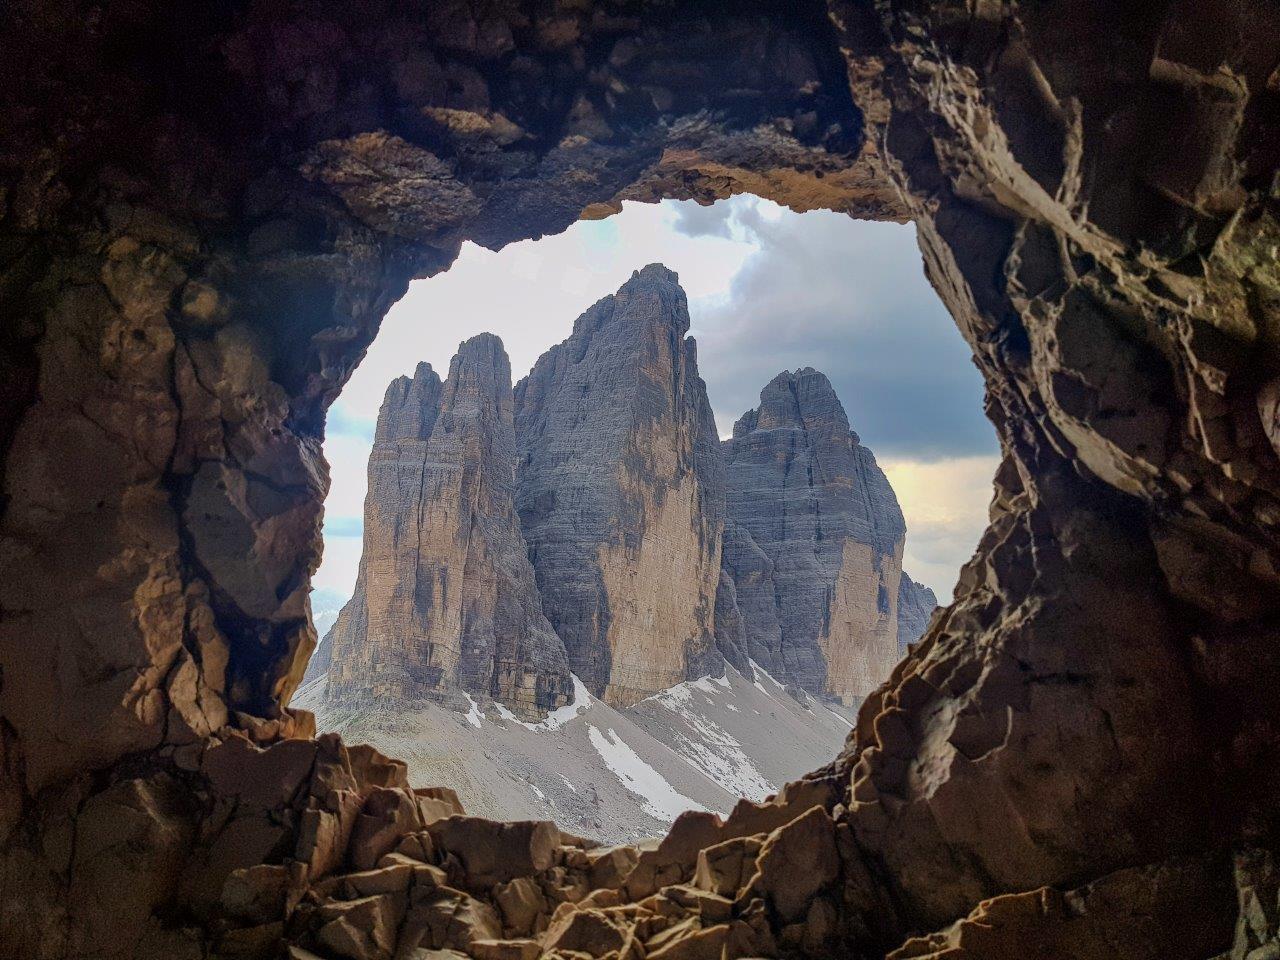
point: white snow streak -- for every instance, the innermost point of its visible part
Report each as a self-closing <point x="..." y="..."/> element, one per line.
<point x="473" y="714"/>
<point x="840" y="718"/>
<point x="711" y="750"/>
<point x="761" y="671"/>
<point x="661" y="800"/>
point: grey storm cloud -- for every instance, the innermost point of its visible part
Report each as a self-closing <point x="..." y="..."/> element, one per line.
<point x="694" y="220"/>
<point x="850" y="299"/>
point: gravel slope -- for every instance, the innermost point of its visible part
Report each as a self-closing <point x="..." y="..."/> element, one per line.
<point x="608" y="774"/>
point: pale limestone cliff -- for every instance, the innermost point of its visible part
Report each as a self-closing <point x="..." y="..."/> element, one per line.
<point x="814" y="545"/>
<point x="445" y="600"/>
<point x="620" y="492"/>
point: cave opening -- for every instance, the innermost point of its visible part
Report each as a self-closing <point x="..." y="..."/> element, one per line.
<point x="747" y="674"/>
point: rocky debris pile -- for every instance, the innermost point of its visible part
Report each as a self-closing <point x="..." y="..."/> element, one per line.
<point x="445" y="600"/>
<point x="377" y="870"/>
<point x="616" y="776"/>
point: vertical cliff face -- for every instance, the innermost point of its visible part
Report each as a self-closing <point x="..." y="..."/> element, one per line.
<point x="916" y="604"/>
<point x="445" y="598"/>
<point x="814" y="544"/>
<point x="620" y="491"/>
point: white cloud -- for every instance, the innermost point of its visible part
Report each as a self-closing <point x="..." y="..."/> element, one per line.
<point x="945" y="503"/>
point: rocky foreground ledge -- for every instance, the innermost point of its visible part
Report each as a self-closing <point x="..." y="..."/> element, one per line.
<point x="376" y="869"/>
<point x="311" y="848"/>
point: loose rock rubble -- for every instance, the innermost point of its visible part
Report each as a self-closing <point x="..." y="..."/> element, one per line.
<point x="379" y="870"/>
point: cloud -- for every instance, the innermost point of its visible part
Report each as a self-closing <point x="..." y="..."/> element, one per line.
<point x="341" y="563"/>
<point x="945" y="503"/>
<point x="850" y="299"/>
<point x="693" y="220"/>
<point x="342" y="422"/>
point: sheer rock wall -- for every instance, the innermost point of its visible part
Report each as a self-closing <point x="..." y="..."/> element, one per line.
<point x="202" y="220"/>
<point x="621" y="492"/>
<point x="445" y="600"/>
<point x="803" y="492"/>
<point x="916" y="604"/>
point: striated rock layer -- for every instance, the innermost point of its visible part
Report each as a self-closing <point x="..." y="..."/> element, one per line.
<point x="815" y="549"/>
<point x="620" y="492"/>
<point x="445" y="598"/>
<point x="916" y="604"/>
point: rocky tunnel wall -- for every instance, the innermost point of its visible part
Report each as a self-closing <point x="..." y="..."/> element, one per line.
<point x="203" y="219"/>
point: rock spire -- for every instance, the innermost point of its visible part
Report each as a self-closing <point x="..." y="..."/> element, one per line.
<point x="445" y="601"/>
<point x="621" y="492"/>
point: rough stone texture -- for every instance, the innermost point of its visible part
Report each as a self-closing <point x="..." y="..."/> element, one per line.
<point x="916" y="604"/>
<point x="203" y="218"/>
<point x="815" y="552"/>
<point x="621" y="492"/>
<point x="445" y="597"/>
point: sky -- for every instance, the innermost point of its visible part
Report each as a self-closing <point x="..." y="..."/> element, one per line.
<point x="769" y="290"/>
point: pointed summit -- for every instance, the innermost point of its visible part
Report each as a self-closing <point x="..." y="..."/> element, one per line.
<point x="409" y="406"/>
<point x="813" y="541"/>
<point x="621" y="492"/>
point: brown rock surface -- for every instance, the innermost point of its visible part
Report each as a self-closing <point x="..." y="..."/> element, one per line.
<point x="203" y="218"/>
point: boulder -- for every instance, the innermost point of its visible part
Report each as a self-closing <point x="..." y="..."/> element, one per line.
<point x="493" y="852"/>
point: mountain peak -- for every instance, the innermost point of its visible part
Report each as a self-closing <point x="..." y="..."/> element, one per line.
<point x="797" y="400"/>
<point x="487" y="345"/>
<point x="656" y="271"/>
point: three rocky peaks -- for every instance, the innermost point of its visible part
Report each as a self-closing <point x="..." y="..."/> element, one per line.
<point x="590" y="523"/>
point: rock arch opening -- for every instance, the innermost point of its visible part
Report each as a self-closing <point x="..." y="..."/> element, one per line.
<point x="204" y="219"/>
<point x="602" y="597"/>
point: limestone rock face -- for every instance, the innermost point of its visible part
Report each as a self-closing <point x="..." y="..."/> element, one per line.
<point x="620" y="494"/>
<point x="815" y="541"/>
<point x="916" y="604"/>
<point x="445" y="598"/>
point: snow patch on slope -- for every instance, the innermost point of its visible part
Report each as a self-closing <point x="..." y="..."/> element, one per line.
<point x="703" y="742"/>
<point x="660" y="799"/>
<point x="749" y="736"/>
<point x="557" y="718"/>
<point x="473" y="713"/>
